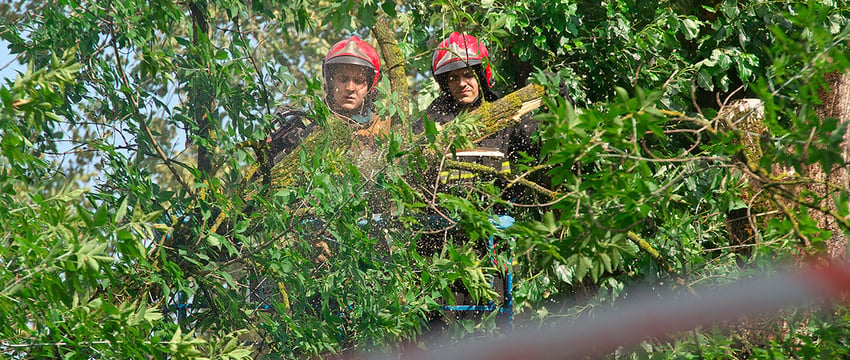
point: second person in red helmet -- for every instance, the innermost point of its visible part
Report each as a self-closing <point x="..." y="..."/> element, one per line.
<point x="461" y="66"/>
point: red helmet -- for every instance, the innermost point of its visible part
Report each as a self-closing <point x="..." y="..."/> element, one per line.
<point x="357" y="52"/>
<point x="459" y="51"/>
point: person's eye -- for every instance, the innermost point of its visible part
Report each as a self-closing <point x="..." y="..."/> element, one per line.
<point x="452" y="78"/>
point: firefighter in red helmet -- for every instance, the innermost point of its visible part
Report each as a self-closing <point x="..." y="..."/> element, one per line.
<point x="461" y="65"/>
<point x="352" y="70"/>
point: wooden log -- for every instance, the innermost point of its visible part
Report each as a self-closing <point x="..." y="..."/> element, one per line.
<point x="502" y="113"/>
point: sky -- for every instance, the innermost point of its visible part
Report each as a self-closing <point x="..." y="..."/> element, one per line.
<point x="8" y="72"/>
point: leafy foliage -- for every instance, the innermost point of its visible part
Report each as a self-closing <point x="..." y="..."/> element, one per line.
<point x="131" y="226"/>
<point x="77" y="273"/>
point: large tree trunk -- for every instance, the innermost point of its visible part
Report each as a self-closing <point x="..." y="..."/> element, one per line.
<point x="769" y="189"/>
<point x="746" y="117"/>
<point x="835" y="104"/>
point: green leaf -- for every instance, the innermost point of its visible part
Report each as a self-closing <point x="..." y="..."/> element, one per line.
<point x="92" y="264"/>
<point x="152" y="315"/>
<point x="704" y="80"/>
<point x="101" y="216"/>
<point x="228" y="278"/>
<point x="286" y="194"/>
<point x="6" y="98"/>
<point x="691" y="28"/>
<point x="565" y="273"/>
<point x="124" y="235"/>
<point x="175" y="341"/>
<point x="606" y="261"/>
<point x="583" y="264"/>
<point x="121" y="211"/>
<point x="214" y="240"/>
<point x="622" y="94"/>
<point x="389" y="8"/>
<point x="596" y="271"/>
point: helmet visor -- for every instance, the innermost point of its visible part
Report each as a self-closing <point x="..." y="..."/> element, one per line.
<point x="350" y="59"/>
<point x="456" y="64"/>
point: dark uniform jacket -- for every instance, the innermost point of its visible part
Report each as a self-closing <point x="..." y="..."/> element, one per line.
<point x="498" y="150"/>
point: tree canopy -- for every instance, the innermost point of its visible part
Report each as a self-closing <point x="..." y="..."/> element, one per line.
<point x="701" y="142"/>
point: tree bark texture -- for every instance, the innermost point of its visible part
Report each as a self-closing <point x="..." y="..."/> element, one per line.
<point x="835" y="104"/>
<point x="746" y="118"/>
<point x="394" y="65"/>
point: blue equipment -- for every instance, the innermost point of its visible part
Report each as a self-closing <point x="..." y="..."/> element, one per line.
<point x="507" y="308"/>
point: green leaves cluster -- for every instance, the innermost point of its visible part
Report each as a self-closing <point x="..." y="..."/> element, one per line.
<point x="173" y="250"/>
<point x="77" y="274"/>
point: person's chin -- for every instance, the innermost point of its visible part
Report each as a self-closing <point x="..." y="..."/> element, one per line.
<point x="348" y="108"/>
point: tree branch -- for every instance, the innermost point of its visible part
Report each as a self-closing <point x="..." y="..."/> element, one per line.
<point x="483" y="169"/>
<point x="142" y="123"/>
<point x="395" y="67"/>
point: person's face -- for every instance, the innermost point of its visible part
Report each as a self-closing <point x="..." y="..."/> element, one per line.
<point x="463" y="85"/>
<point x="349" y="87"/>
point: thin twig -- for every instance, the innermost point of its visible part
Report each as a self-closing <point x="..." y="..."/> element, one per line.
<point x="134" y="102"/>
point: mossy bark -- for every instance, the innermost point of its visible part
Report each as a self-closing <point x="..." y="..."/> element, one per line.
<point x="394" y="67"/>
<point x="503" y="113"/>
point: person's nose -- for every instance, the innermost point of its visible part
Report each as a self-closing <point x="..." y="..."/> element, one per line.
<point x="350" y="85"/>
<point x="465" y="81"/>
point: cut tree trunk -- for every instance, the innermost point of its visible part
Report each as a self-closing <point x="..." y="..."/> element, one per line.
<point x="746" y="118"/>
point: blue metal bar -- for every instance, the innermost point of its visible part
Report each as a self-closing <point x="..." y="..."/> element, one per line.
<point x="502" y="222"/>
<point x="489" y="307"/>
